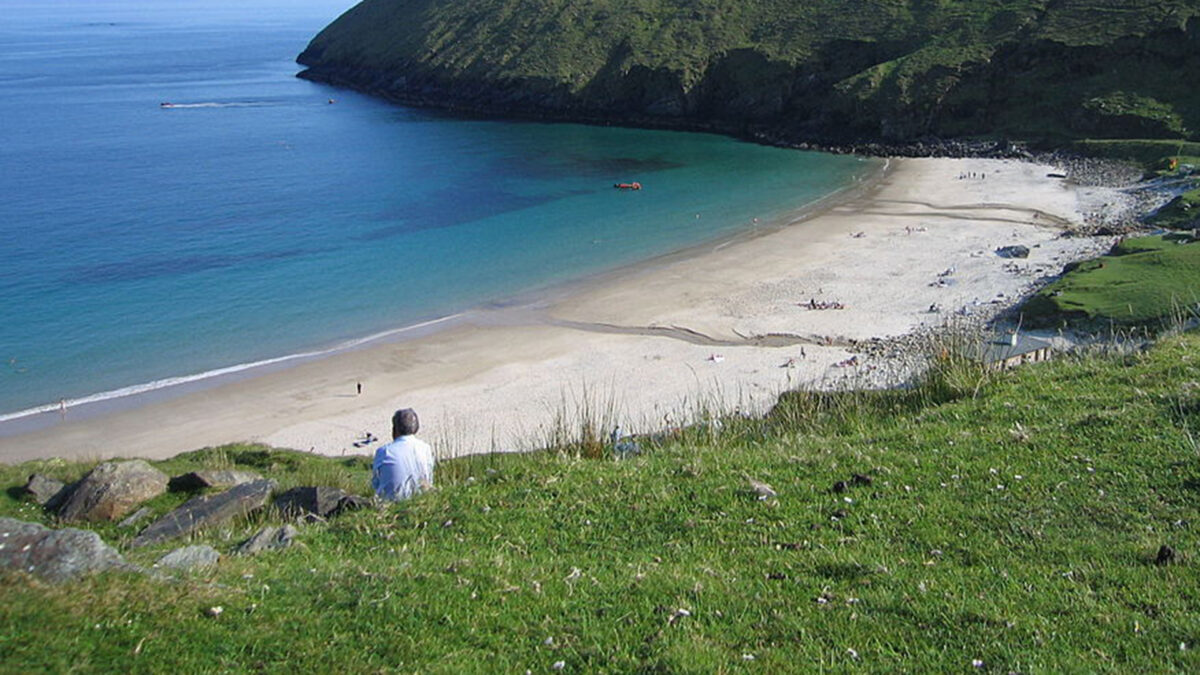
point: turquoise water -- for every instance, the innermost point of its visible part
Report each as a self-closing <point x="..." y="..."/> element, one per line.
<point x="254" y="219"/>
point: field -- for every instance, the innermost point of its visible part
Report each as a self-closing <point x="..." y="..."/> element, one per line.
<point x="1144" y="280"/>
<point x="999" y="521"/>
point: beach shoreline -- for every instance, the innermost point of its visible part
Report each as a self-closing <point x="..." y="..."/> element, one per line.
<point x="728" y="325"/>
<point x="50" y="414"/>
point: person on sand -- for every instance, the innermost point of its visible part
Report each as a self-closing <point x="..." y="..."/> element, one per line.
<point x="403" y="467"/>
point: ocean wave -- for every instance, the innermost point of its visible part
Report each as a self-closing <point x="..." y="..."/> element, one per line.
<point x="169" y="382"/>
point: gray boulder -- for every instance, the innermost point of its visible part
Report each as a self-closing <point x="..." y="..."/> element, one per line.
<point x="267" y="539"/>
<point x="1013" y="251"/>
<point x="206" y="511"/>
<point x="321" y="501"/>
<point x="212" y="478"/>
<point x="55" y="555"/>
<point x="113" y="489"/>
<point x="46" y="491"/>
<point x="190" y="559"/>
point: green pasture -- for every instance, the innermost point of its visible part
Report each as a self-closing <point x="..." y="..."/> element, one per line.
<point x="1000" y="522"/>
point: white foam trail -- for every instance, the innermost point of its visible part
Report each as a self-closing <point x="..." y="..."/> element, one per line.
<point x="236" y="104"/>
<point x="197" y="377"/>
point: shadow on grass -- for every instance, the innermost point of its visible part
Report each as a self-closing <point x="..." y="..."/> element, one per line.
<point x="842" y="571"/>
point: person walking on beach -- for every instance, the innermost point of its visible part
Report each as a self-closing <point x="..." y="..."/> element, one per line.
<point x="360" y="388"/>
<point x="403" y="467"/>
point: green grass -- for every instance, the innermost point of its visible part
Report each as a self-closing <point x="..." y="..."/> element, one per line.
<point x="1012" y="519"/>
<point x="1181" y="212"/>
<point x="1151" y="154"/>
<point x="1145" y="281"/>
<point x="1020" y="69"/>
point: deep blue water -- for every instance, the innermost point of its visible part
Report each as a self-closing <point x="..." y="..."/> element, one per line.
<point x="255" y="220"/>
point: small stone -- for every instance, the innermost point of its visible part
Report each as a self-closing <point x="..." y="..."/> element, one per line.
<point x="1017" y="251"/>
<point x="212" y="478"/>
<point x="763" y="490"/>
<point x="215" y="612"/>
<point x="44" y="490"/>
<point x="322" y="501"/>
<point x="190" y="559"/>
<point x="267" y="539"/>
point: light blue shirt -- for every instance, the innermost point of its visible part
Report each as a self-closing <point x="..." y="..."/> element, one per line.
<point x="402" y="468"/>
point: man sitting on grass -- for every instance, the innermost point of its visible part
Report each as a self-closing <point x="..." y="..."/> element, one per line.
<point x="403" y="467"/>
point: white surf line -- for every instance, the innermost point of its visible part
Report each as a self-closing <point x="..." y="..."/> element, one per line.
<point x="808" y="209"/>
<point x="164" y="383"/>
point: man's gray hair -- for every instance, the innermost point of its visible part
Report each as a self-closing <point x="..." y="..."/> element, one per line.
<point x="405" y="423"/>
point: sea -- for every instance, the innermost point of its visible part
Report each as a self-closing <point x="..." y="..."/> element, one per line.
<point x="259" y="218"/>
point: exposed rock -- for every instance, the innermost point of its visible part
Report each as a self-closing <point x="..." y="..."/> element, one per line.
<point x="136" y="517"/>
<point x="763" y="490"/>
<point x="322" y="501"/>
<point x="46" y="491"/>
<point x="210" y="478"/>
<point x="352" y="503"/>
<point x="207" y="510"/>
<point x="1017" y="251"/>
<point x="55" y="555"/>
<point x="113" y="489"/>
<point x="267" y="539"/>
<point x="190" y="559"/>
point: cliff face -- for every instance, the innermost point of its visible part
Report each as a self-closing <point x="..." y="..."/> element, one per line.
<point x="832" y="71"/>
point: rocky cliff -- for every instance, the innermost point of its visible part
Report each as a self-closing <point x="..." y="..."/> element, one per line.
<point x="827" y="71"/>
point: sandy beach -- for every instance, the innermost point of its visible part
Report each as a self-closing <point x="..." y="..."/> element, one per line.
<point x="724" y="328"/>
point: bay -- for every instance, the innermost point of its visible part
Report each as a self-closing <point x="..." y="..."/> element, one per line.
<point x="260" y="215"/>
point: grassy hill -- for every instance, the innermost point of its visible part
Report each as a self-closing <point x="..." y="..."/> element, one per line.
<point x="1010" y="523"/>
<point x="1142" y="281"/>
<point x="824" y="69"/>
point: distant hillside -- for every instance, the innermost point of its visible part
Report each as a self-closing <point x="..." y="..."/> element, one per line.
<point x="823" y="70"/>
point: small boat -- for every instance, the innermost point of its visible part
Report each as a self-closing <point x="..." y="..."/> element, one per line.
<point x="628" y="186"/>
<point x="166" y="104"/>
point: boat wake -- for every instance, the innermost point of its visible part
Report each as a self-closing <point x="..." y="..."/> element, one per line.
<point x="216" y="104"/>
